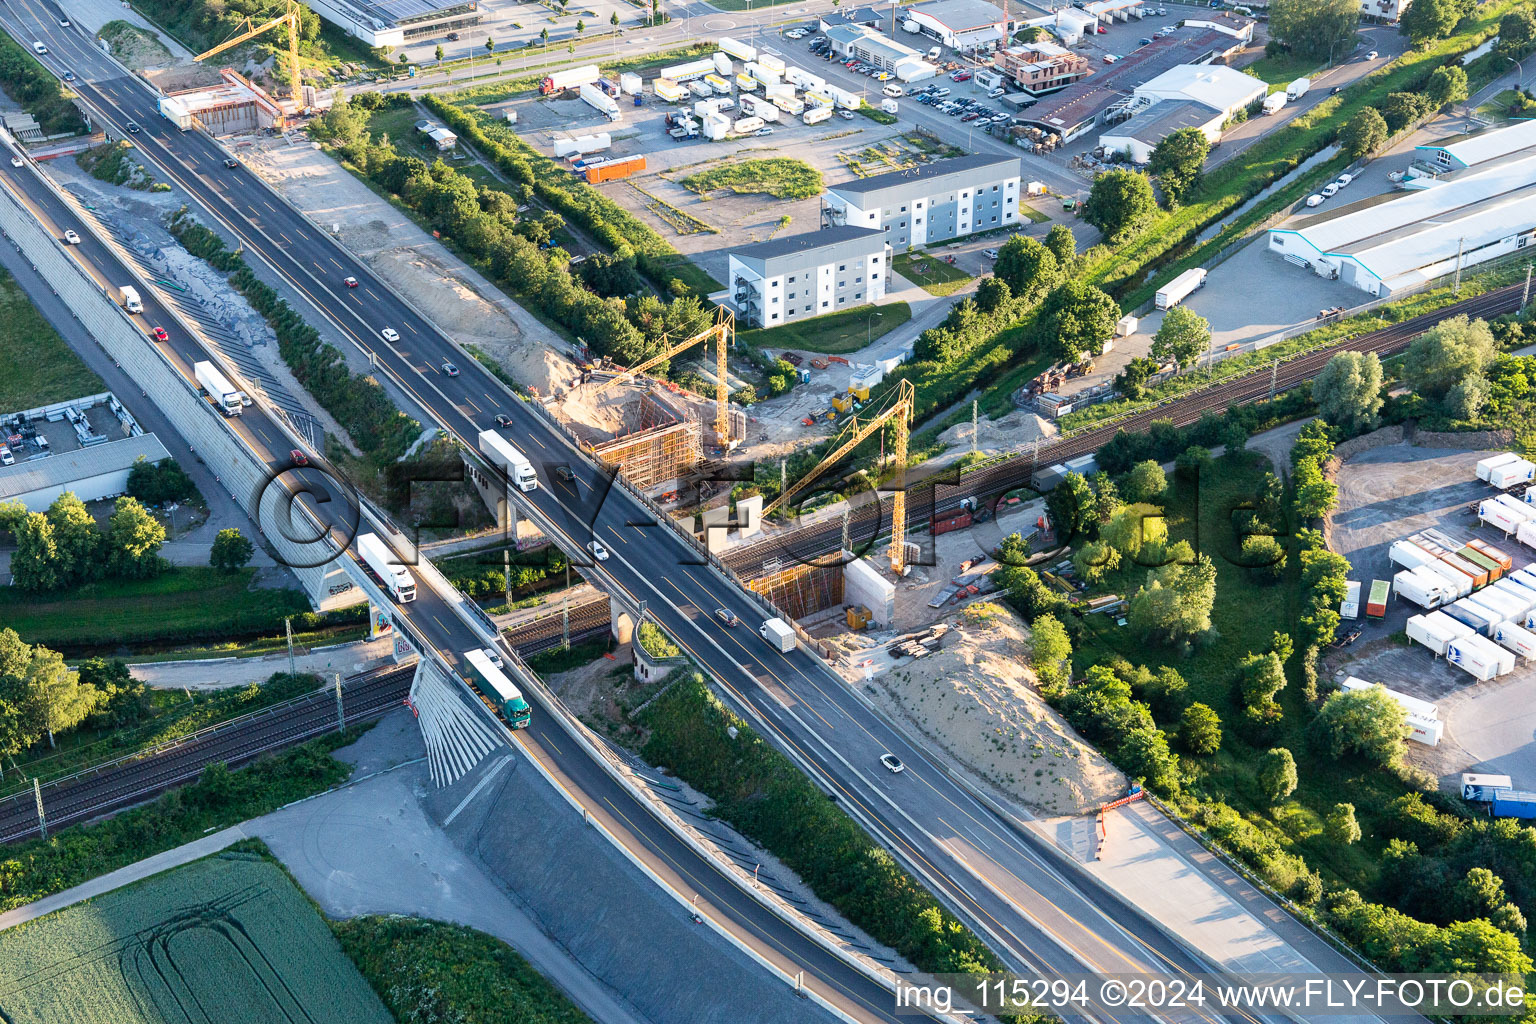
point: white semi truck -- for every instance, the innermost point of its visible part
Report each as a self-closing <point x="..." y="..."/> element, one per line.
<point x="600" y="101"/>
<point x="1180" y="288"/>
<point x="391" y="575"/>
<point x="225" y="396"/>
<point x="503" y="453"/>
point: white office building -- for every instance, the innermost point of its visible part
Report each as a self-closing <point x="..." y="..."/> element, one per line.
<point x="809" y="275"/>
<point x="931" y="203"/>
<point x="965" y="25"/>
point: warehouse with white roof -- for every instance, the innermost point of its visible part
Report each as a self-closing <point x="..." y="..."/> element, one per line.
<point x="1203" y="96"/>
<point x="1482" y="208"/>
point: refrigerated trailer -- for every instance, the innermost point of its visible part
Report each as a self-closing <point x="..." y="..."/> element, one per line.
<point x="1431" y="634"/>
<point x="1471" y="655"/>
<point x="225" y="396"/>
<point x="1349" y="608"/>
<point x="1426" y="592"/>
<point x="571" y="78"/>
<point x="386" y="568"/>
<point x="1180" y="288"/>
<point x="1524" y="576"/>
<point x="1525" y="595"/>
<point x="494" y="684"/>
<point x="1479" y="788"/>
<point x="504" y="454"/>
<point x="1412" y="705"/>
<point x="1513" y="803"/>
<point x="1408" y="554"/>
<point x="1458" y="583"/>
<point x="1511" y="474"/>
<point x="1509" y="608"/>
<point x="1474" y="613"/>
<point x="1486" y="466"/>
<point x="1444" y="623"/>
<point x="1500" y="518"/>
<point x="1516" y="639"/>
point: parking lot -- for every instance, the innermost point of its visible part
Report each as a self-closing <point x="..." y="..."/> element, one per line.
<point x="1387" y="494"/>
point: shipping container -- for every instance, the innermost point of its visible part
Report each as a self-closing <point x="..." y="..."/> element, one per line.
<point x="1376" y="603"/>
<point x="1511" y="474"/>
<point x="1349" y="608"/>
<point x="1425" y="731"/>
<point x="1478" y="573"/>
<point x="1506" y="563"/>
<point x="1458" y="583"/>
<point x="630" y="83"/>
<point x="1479" y="616"/>
<point x="1180" y="288"/>
<point x="613" y="170"/>
<point x="1513" y="803"/>
<point x="1516" y="639"/>
<point x="1494" y="570"/>
<point x="1413" y="588"/>
<point x="1469" y="656"/>
<point x="1433" y="636"/>
<point x="1486" y="466"/>
<point x="1478" y="787"/>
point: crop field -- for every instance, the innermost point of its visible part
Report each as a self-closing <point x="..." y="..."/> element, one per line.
<point x="229" y="939"/>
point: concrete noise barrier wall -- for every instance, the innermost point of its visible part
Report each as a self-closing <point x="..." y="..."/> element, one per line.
<point x="239" y="469"/>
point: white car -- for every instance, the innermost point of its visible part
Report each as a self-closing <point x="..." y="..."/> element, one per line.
<point x="70" y="238"/>
<point x="1371" y="55"/>
<point x="1331" y="189"/>
<point x="892" y="764"/>
<point x="1315" y="200"/>
<point x="15" y="161"/>
<point x="494" y="657"/>
<point x="1344" y="179"/>
<point x="63" y="23"/>
<point x="598" y="551"/>
<point x="390" y="335"/>
<point x="763" y="131"/>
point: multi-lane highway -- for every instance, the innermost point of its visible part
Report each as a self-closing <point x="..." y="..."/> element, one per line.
<point x="1032" y="906"/>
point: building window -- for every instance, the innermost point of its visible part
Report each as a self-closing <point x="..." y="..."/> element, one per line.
<point x="791" y="281"/>
<point x="775" y="300"/>
<point x="965" y="195"/>
<point x="841" y="267"/>
<point x="775" y="316"/>
<point x="825" y="303"/>
<point x="903" y="209"/>
<point x="874" y="277"/>
<point x="994" y="218"/>
<point x="858" y="280"/>
<point x="842" y="284"/>
<point x="842" y="299"/>
<point x="994" y="188"/>
<point x="903" y="223"/>
<point x="792" y="294"/>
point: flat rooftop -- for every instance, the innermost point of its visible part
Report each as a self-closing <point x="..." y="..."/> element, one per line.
<point x="1162" y="119"/>
<point x="64" y="468"/>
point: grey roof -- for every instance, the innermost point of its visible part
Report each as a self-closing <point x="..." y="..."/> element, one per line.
<point x="1162" y="119"/>
<point x="64" y="468"/>
<point x="395" y="11"/>
<point x="860" y="16"/>
<point x="810" y="241"/>
<point x="929" y="177"/>
<point x="962" y="15"/>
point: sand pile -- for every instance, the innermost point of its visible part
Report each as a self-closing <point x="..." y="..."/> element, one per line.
<point x="976" y="699"/>
<point x="1018" y="428"/>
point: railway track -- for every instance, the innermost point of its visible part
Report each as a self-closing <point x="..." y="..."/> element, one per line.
<point x="866" y="522"/>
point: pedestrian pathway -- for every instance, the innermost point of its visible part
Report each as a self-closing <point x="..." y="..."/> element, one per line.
<point x="223" y="673"/>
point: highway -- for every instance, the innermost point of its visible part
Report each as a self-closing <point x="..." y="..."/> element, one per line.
<point x="1034" y="908"/>
<point x="198" y="165"/>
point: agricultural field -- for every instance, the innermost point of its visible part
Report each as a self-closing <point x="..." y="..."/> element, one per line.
<point x="228" y="939"/>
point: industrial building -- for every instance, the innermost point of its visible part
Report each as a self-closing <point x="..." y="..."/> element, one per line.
<point x="873" y="48"/>
<point x="1463" y="217"/>
<point x="99" y="471"/>
<point x="809" y="275"/>
<point x="1111" y="92"/>
<point x="959" y="24"/>
<point x="1041" y="68"/>
<point x="383" y="23"/>
<point x="930" y="203"/>
<point x="1384" y="10"/>
<point x="859" y="16"/>
<point x="1203" y="96"/>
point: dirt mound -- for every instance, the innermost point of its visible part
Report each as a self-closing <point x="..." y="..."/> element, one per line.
<point x="1019" y="427"/>
<point x="976" y="699"/>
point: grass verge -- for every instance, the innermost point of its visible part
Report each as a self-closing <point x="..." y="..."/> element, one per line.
<point x="37" y="368"/>
<point x="932" y="274"/>
<point x="834" y="333"/>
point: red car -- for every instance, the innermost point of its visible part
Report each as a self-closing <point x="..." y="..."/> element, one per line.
<point x="299" y="458"/>
<point x="350" y="282"/>
<point x="160" y="335"/>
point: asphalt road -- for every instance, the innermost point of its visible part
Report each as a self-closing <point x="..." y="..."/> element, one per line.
<point x="1033" y="906"/>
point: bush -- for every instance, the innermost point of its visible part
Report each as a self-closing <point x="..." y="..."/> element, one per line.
<point x="30" y="84"/>
<point x="1200" y="730"/>
<point x="157" y="483"/>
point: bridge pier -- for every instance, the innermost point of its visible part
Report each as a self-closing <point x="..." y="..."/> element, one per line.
<point x="621" y="622"/>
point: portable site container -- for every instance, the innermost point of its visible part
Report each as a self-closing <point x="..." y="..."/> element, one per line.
<point x="1349" y="608"/>
<point x="1478" y="573"/>
<point x="1479" y="616"/>
<point x="1525" y="595"/>
<point x="1494" y="569"/>
<point x="1516" y="639"/>
<point x="1408" y="554"/>
<point x="1511" y="474"/>
<point x="1467" y="654"/>
<point x="1513" y="803"/>
<point x="1431" y="634"/>
<point x="1488" y="550"/>
<point x="1486" y="466"/>
<point x="1478" y="787"/>
<point x="1376" y="603"/>
<point x="1458" y="583"/>
<point x="1426" y="592"/>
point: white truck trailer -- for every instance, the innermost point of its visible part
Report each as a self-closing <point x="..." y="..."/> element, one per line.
<point x="739" y="50"/>
<point x="779" y="634"/>
<point x="1485" y="466"/>
<point x="1469" y="655"/>
<point x="1517" y="639"/>
<point x="1474" y="613"/>
<point x="176" y="112"/>
<point x="225" y="396"/>
<point x="1180" y="288"/>
<point x="1500" y="518"/>
<point x="1408" y="554"/>
<point x="1510" y="474"/>
<point x="571" y="78"/>
<point x="1458" y="583"/>
<point x="600" y="101"/>
<point x="1425" y="591"/>
<point x="391" y="575"/>
<point x="128" y="298"/>
<point x="1525" y="595"/>
<point x="1349" y="608"/>
<point x="504" y="453"/>
<point x="1431" y="634"/>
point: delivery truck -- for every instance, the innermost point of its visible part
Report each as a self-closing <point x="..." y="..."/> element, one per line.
<point x="1297" y="89"/>
<point x="1274" y="102"/>
<point x="176" y="112"/>
<point x="1486" y="466"/>
<point x="1376" y="602"/>
<point x="778" y="634"/>
<point x="1349" y="608"/>
<point x="225" y="396"/>
<point x="504" y="453"/>
<point x="1180" y="288"/>
<point x="600" y="101"/>
<point x="128" y="298"/>
<point x="571" y="78"/>
<point x="385" y="568"/>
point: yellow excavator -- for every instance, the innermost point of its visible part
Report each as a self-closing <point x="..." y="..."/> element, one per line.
<point x="251" y="31"/>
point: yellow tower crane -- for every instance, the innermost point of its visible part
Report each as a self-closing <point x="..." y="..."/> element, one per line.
<point x="723" y="330"/>
<point x="291" y="19"/>
<point x="899" y="412"/>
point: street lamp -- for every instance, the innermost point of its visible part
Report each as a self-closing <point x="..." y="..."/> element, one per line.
<point x="1519" y="71"/>
<point x="869" y="325"/>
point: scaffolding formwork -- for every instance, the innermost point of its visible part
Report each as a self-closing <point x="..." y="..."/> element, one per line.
<point x="801" y="591"/>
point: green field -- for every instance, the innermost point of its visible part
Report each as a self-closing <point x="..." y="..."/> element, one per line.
<point x="185" y="604"/>
<point x="835" y="333"/>
<point x="780" y="177"/>
<point x="229" y="939"/>
<point x="931" y="273"/>
<point x="36" y="366"/>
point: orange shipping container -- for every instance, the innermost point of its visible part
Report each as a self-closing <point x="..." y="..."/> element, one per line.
<point x="613" y="170"/>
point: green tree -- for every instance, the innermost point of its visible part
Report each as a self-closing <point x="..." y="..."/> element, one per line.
<point x="1447" y="85"/>
<point x="992" y="294"/>
<point x="1432" y="19"/>
<point x="1200" y="730"/>
<point x="1146" y="481"/>
<point x="123" y="699"/>
<point x="1365" y="722"/>
<point x="1347" y="390"/>
<point x="1132" y="379"/>
<point x="490" y="44"/>
<point x="1075" y="320"/>
<point x="231" y="550"/>
<point x="1029" y="268"/>
<point x="1315" y="28"/>
<point x="1144" y="755"/>
<point x="1467" y="397"/>
<point x="1365" y="133"/>
<point x="1063" y="245"/>
<point x="133" y="541"/>
<point x="1259" y="678"/>
<point x="35" y="562"/>
<point x="581" y="26"/>
<point x="47" y="697"/>
<point x="1447" y="353"/>
<point x="438" y="53"/>
<point x="1400" y="109"/>
<point x="544" y="34"/>
<point x="1517" y="32"/>
<point x="1264" y="556"/>
<point x="76" y="539"/>
<point x="1094" y="560"/>
<point x="404" y="59"/>
<point x="1182" y="338"/>
<point x="1277" y="775"/>
<point x="1050" y="651"/>
<point x="1132" y="527"/>
<point x="1316" y="495"/>
<point x="1070" y="504"/>
<point x="1340" y="827"/>
<point x="1175" y="605"/>
<point x="1119" y="204"/>
<point x="613" y="19"/>
<point x="1177" y="162"/>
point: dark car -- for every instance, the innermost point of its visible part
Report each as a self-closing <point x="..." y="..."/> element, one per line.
<point x="503" y="420"/>
<point x="133" y="128"/>
<point x="564" y="473"/>
<point x="727" y="617"/>
<point x="231" y="162"/>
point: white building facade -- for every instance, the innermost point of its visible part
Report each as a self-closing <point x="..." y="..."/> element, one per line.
<point x="809" y="275"/>
<point x="938" y="201"/>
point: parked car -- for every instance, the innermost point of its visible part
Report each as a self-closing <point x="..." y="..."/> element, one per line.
<point x="990" y="254"/>
<point x="1314" y="200"/>
<point x="1144" y="42"/>
<point x="763" y="131"/>
<point x="1371" y="56"/>
<point x="1344" y="179"/>
<point x="1331" y="189"/>
<point x="846" y="115"/>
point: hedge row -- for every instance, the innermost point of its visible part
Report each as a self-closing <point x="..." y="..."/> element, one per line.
<point x="357" y="402"/>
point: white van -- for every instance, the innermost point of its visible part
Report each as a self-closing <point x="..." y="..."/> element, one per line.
<point x="892" y="91"/>
<point x="39" y="49"/>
